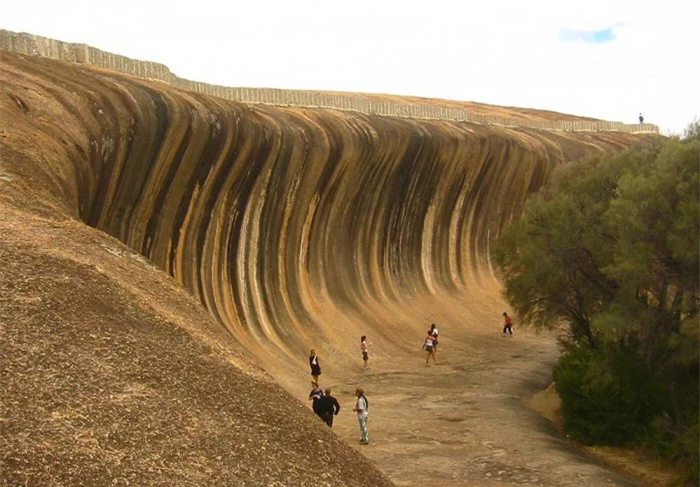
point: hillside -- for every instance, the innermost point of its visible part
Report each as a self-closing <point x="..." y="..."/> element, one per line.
<point x="168" y="258"/>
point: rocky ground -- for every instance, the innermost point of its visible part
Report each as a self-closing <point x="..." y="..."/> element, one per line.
<point x="485" y="415"/>
<point x="113" y="375"/>
<point x="99" y="384"/>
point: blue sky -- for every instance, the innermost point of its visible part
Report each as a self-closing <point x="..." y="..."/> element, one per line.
<point x="599" y="36"/>
<point x="605" y="59"/>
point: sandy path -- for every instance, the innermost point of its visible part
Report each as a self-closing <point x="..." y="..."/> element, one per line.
<point x="464" y="422"/>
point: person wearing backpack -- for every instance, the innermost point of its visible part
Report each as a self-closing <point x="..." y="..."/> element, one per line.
<point x="362" y="410"/>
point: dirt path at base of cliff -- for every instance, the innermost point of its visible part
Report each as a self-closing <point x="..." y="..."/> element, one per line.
<point x="465" y="422"/>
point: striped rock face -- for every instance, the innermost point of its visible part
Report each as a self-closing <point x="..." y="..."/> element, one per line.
<point x="168" y="258"/>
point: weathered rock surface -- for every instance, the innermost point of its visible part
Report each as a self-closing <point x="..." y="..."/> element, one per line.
<point x="288" y="228"/>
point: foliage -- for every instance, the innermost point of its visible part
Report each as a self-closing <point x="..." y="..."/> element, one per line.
<point x="692" y="131"/>
<point x="608" y="396"/>
<point x="552" y="257"/>
<point x="610" y="248"/>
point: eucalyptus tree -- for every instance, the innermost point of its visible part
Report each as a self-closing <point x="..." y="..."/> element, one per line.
<point x="610" y="249"/>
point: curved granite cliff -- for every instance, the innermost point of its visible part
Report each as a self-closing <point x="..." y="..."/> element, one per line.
<point x="261" y="212"/>
<point x="291" y="227"/>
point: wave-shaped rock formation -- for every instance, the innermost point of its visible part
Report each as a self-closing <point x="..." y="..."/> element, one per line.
<point x="290" y="226"/>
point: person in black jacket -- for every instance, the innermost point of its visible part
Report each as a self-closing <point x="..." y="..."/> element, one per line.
<point x="316" y="395"/>
<point x="329" y="407"/>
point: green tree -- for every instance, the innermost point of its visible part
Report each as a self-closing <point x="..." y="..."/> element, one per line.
<point x="610" y="247"/>
<point x="692" y="131"/>
<point x="654" y="222"/>
<point x="609" y="396"/>
<point x="551" y="259"/>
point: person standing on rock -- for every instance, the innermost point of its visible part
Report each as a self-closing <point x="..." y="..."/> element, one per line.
<point x="362" y="410"/>
<point x="329" y="407"/>
<point x="429" y="346"/>
<point x="316" y="395"/>
<point x="434" y="332"/>
<point x="314" y="364"/>
<point x="365" y="350"/>
<point x="507" y="324"/>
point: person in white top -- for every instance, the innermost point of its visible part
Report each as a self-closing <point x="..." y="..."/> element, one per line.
<point x="434" y="332"/>
<point x="365" y="350"/>
<point x="314" y="364"/>
<point x="362" y="410"/>
<point x="429" y="346"/>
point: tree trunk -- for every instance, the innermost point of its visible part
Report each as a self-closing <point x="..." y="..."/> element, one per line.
<point x="677" y="406"/>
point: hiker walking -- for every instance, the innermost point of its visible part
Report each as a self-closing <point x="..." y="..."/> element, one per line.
<point x="361" y="408"/>
<point x="434" y="332"/>
<point x="329" y="407"/>
<point x="314" y="364"/>
<point x="507" y="325"/>
<point x="429" y="346"/>
<point x="316" y="395"/>
<point x="365" y="350"/>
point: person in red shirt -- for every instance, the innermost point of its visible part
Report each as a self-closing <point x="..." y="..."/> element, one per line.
<point x="507" y="324"/>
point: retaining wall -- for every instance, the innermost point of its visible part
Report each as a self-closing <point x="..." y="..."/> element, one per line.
<point x="81" y="53"/>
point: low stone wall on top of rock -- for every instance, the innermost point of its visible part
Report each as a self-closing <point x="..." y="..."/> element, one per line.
<point x="24" y="43"/>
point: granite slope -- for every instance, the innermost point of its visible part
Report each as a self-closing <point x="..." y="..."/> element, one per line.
<point x="161" y="248"/>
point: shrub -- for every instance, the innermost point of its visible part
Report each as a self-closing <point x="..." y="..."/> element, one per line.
<point x="608" y="396"/>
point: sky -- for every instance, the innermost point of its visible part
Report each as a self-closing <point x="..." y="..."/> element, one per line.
<point x="611" y="59"/>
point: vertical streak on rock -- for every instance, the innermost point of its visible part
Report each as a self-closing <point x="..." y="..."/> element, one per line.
<point x="289" y="225"/>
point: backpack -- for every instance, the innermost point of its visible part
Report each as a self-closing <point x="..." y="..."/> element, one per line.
<point x="366" y="402"/>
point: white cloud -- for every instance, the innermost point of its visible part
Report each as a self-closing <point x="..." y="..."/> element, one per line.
<point x="500" y="52"/>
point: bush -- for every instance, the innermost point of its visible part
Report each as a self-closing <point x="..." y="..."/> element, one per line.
<point x="679" y="447"/>
<point x="608" y="396"/>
